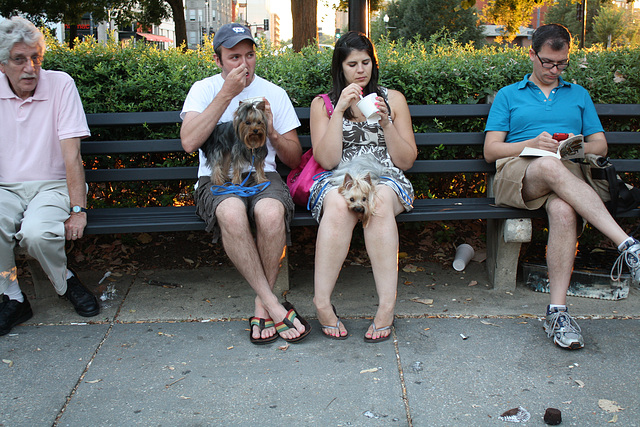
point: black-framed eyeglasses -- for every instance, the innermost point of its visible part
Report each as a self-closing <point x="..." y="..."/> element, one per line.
<point x="549" y="65"/>
<point x="21" y="60"/>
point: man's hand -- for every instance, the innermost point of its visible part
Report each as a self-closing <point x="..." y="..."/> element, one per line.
<point x="235" y="81"/>
<point x="74" y="226"/>
<point x="544" y="141"/>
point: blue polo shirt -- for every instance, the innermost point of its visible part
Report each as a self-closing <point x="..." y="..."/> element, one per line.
<point x="524" y="112"/>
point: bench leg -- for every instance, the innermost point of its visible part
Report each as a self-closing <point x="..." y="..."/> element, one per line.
<point x="504" y="238"/>
<point x="282" y="281"/>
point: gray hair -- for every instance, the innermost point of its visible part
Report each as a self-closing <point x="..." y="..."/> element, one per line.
<point x="18" y="30"/>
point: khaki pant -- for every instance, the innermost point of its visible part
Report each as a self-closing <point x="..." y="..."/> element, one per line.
<point x="32" y="214"/>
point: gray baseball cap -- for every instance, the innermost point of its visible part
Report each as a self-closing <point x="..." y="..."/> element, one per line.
<point x="230" y="35"/>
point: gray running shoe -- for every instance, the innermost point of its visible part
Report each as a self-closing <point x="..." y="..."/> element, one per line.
<point x="631" y="256"/>
<point x="564" y="330"/>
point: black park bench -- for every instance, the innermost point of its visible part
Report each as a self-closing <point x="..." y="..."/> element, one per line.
<point x="507" y="228"/>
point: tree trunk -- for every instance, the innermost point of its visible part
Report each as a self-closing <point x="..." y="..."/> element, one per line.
<point x="305" y="26"/>
<point x="73" y="33"/>
<point x="177" y="10"/>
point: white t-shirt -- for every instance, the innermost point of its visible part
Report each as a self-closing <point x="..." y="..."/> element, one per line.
<point x="284" y="115"/>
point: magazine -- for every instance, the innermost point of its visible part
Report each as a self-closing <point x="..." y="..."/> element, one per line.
<point x="571" y="148"/>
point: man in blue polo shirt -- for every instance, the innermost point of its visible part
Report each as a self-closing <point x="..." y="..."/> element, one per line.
<point x="526" y="114"/>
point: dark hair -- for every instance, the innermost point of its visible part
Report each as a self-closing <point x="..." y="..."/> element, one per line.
<point x="346" y="44"/>
<point x="555" y="35"/>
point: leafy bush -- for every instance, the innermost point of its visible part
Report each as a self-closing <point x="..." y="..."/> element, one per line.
<point x="112" y="78"/>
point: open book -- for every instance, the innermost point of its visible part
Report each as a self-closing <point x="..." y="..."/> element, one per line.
<point x="571" y="148"/>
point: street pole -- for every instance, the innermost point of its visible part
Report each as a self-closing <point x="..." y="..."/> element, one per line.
<point x="584" y="23"/>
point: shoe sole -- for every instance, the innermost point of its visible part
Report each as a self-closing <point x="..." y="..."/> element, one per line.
<point x="22" y="319"/>
<point x="574" y="346"/>
<point x="89" y="313"/>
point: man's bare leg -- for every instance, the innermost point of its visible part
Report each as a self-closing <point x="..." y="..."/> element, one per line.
<point x="241" y="249"/>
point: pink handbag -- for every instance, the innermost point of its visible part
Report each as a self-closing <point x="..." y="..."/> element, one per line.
<point x="300" y="180"/>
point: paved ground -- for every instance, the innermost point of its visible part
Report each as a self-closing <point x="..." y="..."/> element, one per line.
<point x="171" y="348"/>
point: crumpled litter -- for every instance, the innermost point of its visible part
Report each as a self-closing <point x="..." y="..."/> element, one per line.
<point x="515" y="415"/>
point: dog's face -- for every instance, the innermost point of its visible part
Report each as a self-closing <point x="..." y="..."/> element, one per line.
<point x="250" y="123"/>
<point x="360" y="195"/>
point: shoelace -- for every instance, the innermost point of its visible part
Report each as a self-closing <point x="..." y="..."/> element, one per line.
<point x="620" y="261"/>
<point x="562" y="319"/>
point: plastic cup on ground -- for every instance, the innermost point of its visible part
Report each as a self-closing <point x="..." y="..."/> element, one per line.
<point x="464" y="253"/>
<point x="367" y="106"/>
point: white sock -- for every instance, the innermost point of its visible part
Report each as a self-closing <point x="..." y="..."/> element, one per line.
<point x="626" y="244"/>
<point x="557" y="307"/>
<point x="69" y="274"/>
<point x="14" y="292"/>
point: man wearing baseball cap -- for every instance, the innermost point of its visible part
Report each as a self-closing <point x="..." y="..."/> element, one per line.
<point x="214" y="100"/>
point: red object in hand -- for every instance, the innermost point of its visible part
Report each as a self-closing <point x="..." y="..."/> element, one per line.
<point x="560" y="136"/>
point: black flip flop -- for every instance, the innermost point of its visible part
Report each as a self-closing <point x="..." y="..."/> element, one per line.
<point x="262" y="325"/>
<point x="287" y="323"/>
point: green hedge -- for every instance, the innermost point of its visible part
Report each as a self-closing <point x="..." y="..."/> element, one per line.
<point x="113" y="78"/>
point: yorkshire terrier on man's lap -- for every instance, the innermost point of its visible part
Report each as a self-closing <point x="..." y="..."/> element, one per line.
<point x="239" y="143"/>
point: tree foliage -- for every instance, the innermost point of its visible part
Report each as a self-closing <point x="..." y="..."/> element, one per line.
<point x="425" y="18"/>
<point x="143" y="13"/>
<point x="564" y="12"/>
<point x="511" y="14"/>
<point x="616" y="26"/>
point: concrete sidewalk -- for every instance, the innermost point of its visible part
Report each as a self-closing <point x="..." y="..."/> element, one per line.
<point x="171" y="348"/>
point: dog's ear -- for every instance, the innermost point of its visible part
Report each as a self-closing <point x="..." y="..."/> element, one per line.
<point x="348" y="181"/>
<point x="259" y="105"/>
<point x="367" y="179"/>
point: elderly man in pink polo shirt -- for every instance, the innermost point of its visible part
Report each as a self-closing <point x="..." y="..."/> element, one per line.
<point x="43" y="194"/>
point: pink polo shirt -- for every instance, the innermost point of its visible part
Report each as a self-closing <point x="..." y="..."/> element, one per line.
<point x="31" y="129"/>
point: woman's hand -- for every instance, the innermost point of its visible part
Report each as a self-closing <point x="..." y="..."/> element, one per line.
<point x="350" y="96"/>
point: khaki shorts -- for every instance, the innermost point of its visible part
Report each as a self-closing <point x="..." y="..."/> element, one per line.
<point x="507" y="185"/>
<point x="206" y="202"/>
<point x="510" y="173"/>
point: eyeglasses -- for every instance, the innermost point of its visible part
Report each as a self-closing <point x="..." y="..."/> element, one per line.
<point x="549" y="64"/>
<point x="21" y="60"/>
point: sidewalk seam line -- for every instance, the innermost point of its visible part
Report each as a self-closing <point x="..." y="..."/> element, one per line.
<point x="403" y="386"/>
<point x="92" y="358"/>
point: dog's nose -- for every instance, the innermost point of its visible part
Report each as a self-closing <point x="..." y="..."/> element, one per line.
<point x="358" y="209"/>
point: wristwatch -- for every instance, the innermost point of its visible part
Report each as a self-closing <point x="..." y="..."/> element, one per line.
<point x="78" y="209"/>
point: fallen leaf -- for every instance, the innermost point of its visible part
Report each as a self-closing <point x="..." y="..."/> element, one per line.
<point x="185" y="397"/>
<point x="427" y="301"/>
<point x="614" y="419"/>
<point x="8" y="362"/>
<point x="230" y="347"/>
<point x="426" y="329"/>
<point x="609" y="406"/>
<point x="402" y="255"/>
<point x="408" y="282"/>
<point x="580" y="383"/>
<point x="188" y="261"/>
<point x="93" y="381"/>
<point x="366" y="371"/>
<point x="484" y="322"/>
<point x="618" y="77"/>
<point x="145" y="238"/>
<point x="473" y="283"/>
<point x="409" y="268"/>
<point x="528" y="316"/>
<point x="284" y="347"/>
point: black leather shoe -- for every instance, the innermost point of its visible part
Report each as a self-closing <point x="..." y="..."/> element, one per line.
<point x="13" y="312"/>
<point x="85" y="302"/>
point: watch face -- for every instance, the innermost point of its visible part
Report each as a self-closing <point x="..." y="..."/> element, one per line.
<point x="76" y="209"/>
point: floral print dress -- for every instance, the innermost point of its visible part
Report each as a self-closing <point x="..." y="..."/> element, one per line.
<point x="360" y="138"/>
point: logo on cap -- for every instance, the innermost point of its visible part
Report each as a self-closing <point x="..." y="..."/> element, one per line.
<point x="238" y="30"/>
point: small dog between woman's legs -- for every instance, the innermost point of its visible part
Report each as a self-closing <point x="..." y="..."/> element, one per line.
<point x="357" y="180"/>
